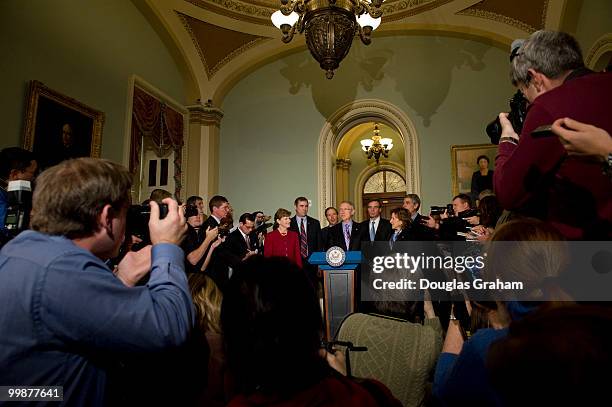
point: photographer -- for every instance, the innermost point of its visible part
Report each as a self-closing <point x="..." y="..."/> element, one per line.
<point x="197" y="240"/>
<point x="15" y="164"/>
<point x="534" y="176"/>
<point x="67" y="317"/>
<point x="452" y="221"/>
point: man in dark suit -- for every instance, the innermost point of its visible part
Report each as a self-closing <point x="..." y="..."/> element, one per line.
<point x="307" y="228"/>
<point x="239" y="245"/>
<point x="331" y="214"/>
<point x="219" y="209"/>
<point x="417" y="230"/>
<point x="347" y="233"/>
<point x="375" y="229"/>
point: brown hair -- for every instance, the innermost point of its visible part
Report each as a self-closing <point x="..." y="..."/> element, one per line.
<point x="207" y="300"/>
<point x="402" y="215"/>
<point x="216" y="201"/>
<point x="70" y="196"/>
<point x="159" y="195"/>
<point x="281" y="213"/>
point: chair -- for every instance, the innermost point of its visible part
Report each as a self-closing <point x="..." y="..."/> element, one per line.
<point x="400" y="354"/>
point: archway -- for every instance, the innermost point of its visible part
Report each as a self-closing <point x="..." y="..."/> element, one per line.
<point x="350" y="115"/>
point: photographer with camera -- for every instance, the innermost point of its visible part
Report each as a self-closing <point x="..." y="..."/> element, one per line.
<point x="258" y="235"/>
<point x="16" y="164"/>
<point x="67" y="317"/>
<point x="534" y="176"/>
<point x="197" y="240"/>
<point x="454" y="220"/>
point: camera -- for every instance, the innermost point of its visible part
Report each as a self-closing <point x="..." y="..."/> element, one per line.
<point x="439" y="210"/>
<point x="138" y="221"/>
<point x="191" y="210"/>
<point x="518" y="111"/>
<point x="262" y="228"/>
<point x="468" y="213"/>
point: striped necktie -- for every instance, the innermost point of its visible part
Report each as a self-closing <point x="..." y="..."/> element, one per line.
<point x="347" y="235"/>
<point x="303" y="241"/>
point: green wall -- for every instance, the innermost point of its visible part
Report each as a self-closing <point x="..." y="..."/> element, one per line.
<point x="84" y="49"/>
<point x="595" y="20"/>
<point x="449" y="87"/>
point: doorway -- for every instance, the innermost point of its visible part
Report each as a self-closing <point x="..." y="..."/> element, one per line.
<point x="386" y="185"/>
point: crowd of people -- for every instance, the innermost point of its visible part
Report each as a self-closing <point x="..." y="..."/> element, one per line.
<point x="213" y="310"/>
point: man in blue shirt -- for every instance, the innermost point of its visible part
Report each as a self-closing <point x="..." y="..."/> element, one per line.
<point x="65" y="313"/>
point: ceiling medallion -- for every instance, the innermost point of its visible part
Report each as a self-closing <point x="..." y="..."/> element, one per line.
<point x="330" y="26"/>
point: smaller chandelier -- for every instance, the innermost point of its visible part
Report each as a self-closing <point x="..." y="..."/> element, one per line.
<point x="330" y="26"/>
<point x="376" y="146"/>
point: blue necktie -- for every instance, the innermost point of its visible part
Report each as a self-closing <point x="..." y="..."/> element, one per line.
<point x="372" y="232"/>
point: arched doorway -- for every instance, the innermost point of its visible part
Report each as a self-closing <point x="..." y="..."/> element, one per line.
<point x="346" y="118"/>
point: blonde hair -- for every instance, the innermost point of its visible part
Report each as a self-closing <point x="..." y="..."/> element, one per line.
<point x="207" y="300"/>
<point x="535" y="253"/>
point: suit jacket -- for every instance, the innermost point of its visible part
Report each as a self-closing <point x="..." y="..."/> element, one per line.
<point x="419" y="232"/>
<point x="284" y="246"/>
<point x="403" y="236"/>
<point x="216" y="269"/>
<point x="383" y="232"/>
<point x="233" y="250"/>
<point x="313" y="233"/>
<point x="325" y="237"/>
<point x="336" y="236"/>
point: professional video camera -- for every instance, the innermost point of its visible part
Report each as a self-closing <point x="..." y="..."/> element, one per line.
<point x="439" y="210"/>
<point x="518" y="111"/>
<point x="19" y="197"/>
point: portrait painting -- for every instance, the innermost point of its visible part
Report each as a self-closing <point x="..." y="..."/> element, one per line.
<point x="59" y="127"/>
<point x="466" y="166"/>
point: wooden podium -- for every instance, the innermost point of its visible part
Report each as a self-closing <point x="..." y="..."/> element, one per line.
<point x="338" y="289"/>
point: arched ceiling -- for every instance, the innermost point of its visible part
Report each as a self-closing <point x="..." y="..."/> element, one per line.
<point x="220" y="41"/>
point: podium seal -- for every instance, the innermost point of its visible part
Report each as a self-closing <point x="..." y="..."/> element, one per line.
<point x="335" y="256"/>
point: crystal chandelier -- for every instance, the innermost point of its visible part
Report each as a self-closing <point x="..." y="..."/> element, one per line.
<point x="376" y="146"/>
<point x="330" y="26"/>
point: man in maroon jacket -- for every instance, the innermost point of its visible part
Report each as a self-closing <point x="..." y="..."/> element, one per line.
<point x="533" y="175"/>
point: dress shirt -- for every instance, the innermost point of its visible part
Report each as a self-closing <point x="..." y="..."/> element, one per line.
<point x="298" y="220"/>
<point x="65" y="312"/>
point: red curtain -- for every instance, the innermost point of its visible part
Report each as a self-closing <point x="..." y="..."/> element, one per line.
<point x="163" y="125"/>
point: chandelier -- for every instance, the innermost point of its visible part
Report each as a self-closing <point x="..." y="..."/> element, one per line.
<point x="376" y="146"/>
<point x="330" y="26"/>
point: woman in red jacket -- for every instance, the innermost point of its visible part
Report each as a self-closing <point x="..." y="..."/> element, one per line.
<point x="282" y="242"/>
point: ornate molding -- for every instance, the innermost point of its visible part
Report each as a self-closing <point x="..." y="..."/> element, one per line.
<point x="258" y="12"/>
<point x="396" y="10"/>
<point x="499" y="19"/>
<point x="344" y="163"/>
<point x="600" y="47"/>
<point x="205" y="114"/>
<point x="211" y="71"/>
<point x="253" y="13"/>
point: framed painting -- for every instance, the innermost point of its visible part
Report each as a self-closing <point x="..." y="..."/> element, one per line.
<point x="58" y="127"/>
<point x="464" y="163"/>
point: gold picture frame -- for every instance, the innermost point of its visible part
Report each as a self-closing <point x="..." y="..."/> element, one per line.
<point x="463" y="164"/>
<point x="58" y="127"/>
